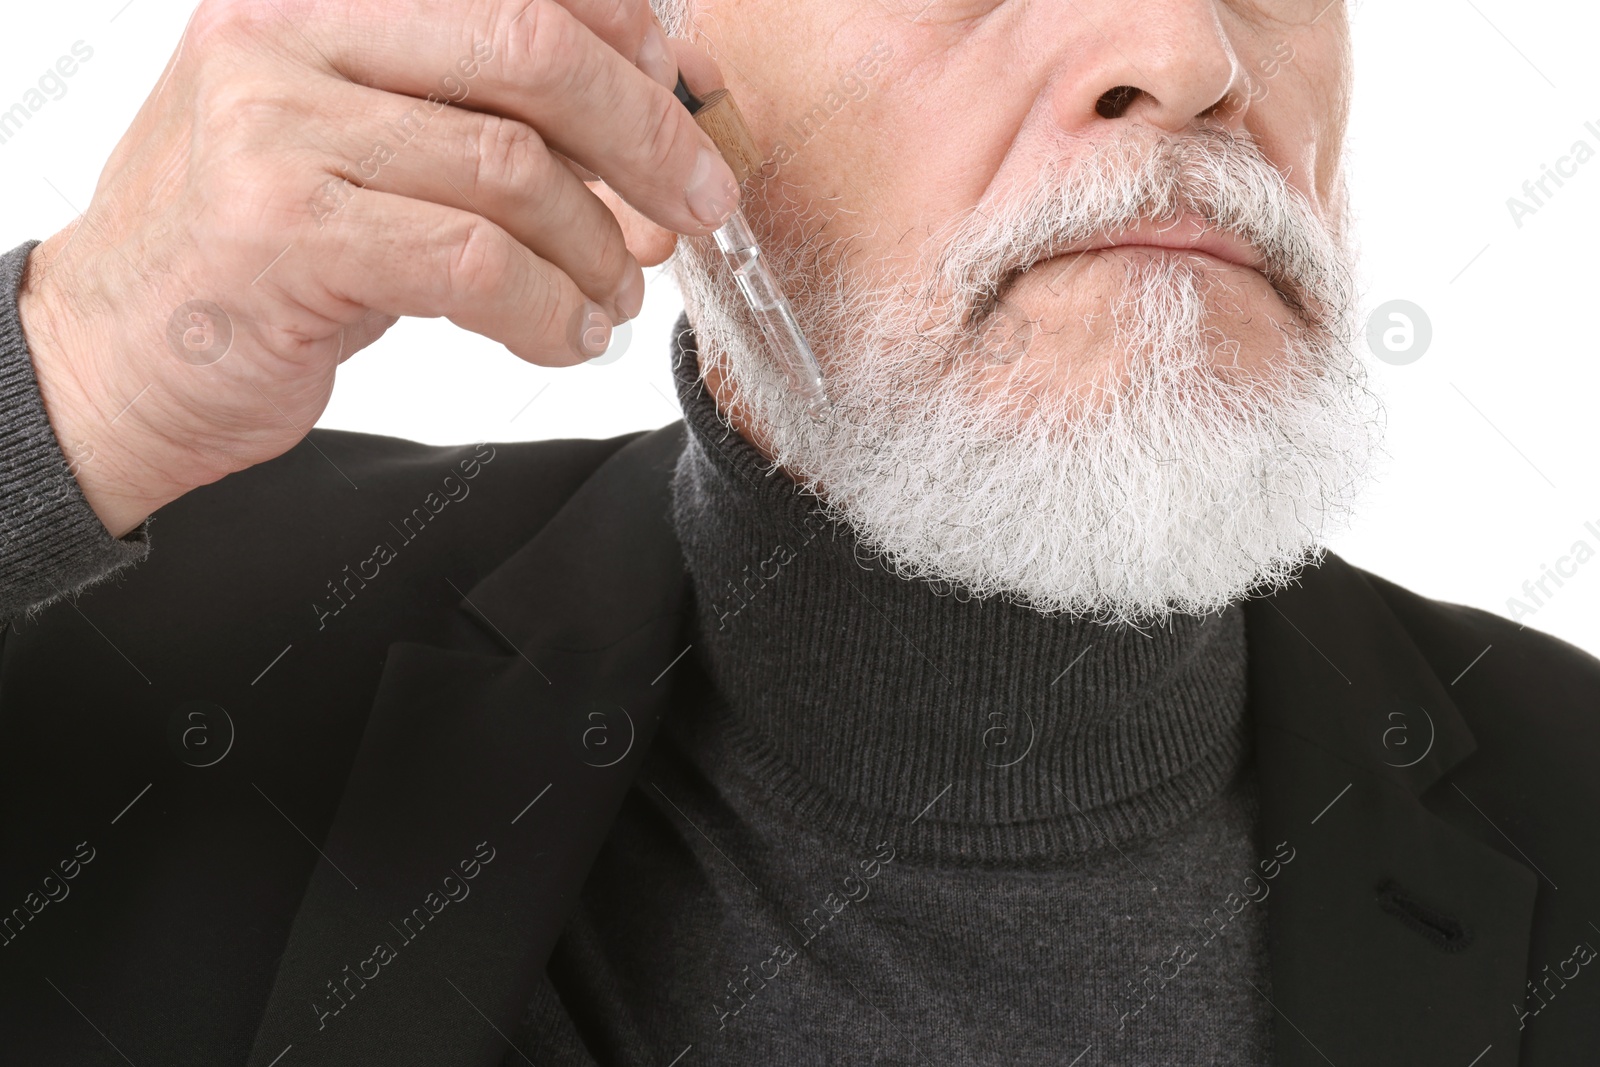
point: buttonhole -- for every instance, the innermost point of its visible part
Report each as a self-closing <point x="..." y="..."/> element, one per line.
<point x="1443" y="931"/>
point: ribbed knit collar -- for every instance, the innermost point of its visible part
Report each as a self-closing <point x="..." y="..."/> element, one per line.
<point x="875" y="707"/>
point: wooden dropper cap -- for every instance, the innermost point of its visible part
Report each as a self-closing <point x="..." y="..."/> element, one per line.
<point x="720" y="118"/>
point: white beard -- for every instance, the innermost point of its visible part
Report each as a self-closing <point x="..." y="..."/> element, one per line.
<point x="1172" y="484"/>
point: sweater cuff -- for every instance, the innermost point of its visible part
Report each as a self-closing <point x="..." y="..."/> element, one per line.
<point x="51" y="541"/>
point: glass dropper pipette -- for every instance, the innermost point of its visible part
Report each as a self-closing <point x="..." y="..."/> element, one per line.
<point x="719" y="117"/>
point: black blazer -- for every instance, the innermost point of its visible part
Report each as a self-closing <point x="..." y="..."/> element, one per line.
<point x="320" y="782"/>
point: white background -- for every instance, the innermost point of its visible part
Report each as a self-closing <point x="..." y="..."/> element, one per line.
<point x="1492" y="447"/>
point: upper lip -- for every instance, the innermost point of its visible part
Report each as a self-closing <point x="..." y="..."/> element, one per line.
<point x="1188" y="232"/>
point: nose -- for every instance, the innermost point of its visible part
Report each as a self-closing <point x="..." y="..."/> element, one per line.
<point x="1166" y="63"/>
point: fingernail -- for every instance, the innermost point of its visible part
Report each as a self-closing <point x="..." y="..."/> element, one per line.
<point x="630" y="298"/>
<point x="655" y="57"/>
<point x="712" y="192"/>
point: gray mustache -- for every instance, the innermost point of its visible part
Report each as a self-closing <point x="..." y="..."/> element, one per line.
<point x="1215" y="174"/>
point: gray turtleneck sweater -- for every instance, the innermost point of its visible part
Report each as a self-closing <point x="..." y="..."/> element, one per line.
<point x="883" y="825"/>
<point x="880" y="825"/>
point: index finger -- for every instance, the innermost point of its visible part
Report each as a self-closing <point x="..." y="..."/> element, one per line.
<point x="540" y="63"/>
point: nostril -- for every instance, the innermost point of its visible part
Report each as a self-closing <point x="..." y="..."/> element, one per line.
<point x="1114" y="103"/>
<point x="1445" y="932"/>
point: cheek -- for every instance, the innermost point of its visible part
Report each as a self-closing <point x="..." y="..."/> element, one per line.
<point x="1302" y="134"/>
<point x="854" y="118"/>
<point x="884" y="174"/>
<point x="1309" y="111"/>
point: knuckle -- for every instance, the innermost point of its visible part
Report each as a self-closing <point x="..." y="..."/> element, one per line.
<point x="240" y="109"/>
<point x="664" y="129"/>
<point x="542" y="302"/>
<point x="618" y="15"/>
<point x="479" y="264"/>
<point x="540" y="310"/>
<point x="611" y="250"/>
<point x="214" y="21"/>
<point x="543" y="47"/>
<point x="221" y="22"/>
<point x="549" y="324"/>
<point x="510" y="156"/>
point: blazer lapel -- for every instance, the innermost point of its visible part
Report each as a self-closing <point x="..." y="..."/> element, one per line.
<point x="485" y="784"/>
<point x="1395" y="937"/>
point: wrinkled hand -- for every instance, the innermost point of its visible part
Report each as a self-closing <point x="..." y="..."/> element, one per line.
<point x="306" y="172"/>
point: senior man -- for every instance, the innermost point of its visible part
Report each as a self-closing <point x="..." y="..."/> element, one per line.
<point x="1008" y="713"/>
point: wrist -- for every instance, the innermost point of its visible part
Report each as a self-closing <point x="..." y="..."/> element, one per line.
<point x="100" y="445"/>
